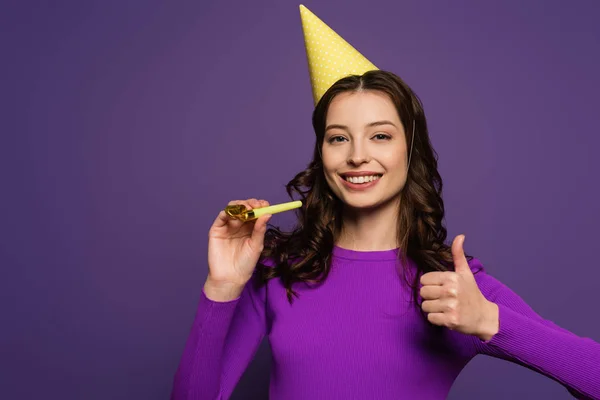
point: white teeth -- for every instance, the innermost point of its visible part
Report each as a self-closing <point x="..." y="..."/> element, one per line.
<point x="362" y="179"/>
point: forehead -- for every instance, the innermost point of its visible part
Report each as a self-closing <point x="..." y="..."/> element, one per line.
<point x="361" y="107"/>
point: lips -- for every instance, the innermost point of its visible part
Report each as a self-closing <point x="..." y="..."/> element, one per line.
<point x="362" y="178"/>
<point x="363" y="181"/>
<point x="359" y="173"/>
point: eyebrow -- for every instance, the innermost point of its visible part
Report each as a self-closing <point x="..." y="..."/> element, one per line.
<point x="369" y="125"/>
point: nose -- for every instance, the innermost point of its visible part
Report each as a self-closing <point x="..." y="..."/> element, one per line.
<point x="358" y="154"/>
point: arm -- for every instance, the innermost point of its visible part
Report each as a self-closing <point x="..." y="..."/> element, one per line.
<point x="527" y="339"/>
<point x="223" y="340"/>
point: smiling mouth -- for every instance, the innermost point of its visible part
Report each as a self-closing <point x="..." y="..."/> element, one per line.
<point x="362" y="179"/>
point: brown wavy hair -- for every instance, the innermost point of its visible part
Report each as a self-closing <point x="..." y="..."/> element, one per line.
<point x="304" y="255"/>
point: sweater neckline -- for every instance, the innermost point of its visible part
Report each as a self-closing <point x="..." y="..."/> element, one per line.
<point x="376" y="255"/>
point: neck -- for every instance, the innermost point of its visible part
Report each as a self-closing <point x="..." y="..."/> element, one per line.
<point x="370" y="230"/>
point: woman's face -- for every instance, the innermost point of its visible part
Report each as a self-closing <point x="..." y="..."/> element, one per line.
<point x="364" y="150"/>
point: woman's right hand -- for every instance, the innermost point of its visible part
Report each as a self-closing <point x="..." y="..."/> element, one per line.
<point x="234" y="248"/>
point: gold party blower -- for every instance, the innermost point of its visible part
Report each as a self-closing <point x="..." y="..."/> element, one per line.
<point x="239" y="211"/>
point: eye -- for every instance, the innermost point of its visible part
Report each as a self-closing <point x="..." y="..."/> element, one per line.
<point x="336" y="139"/>
<point x="382" y="136"/>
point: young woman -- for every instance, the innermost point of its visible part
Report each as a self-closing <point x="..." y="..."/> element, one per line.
<point x="364" y="300"/>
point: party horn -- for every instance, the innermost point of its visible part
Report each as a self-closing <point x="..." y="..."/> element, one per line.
<point x="239" y="211"/>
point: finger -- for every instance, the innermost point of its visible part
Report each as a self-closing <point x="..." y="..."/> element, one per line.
<point x="432" y="292"/>
<point x="433" y="306"/>
<point x="257" y="238"/>
<point x="261" y="222"/>
<point x="458" y="253"/>
<point x="437" y="319"/>
<point x="254" y="203"/>
<point x="221" y="219"/>
<point x="461" y="264"/>
<point x="264" y="203"/>
<point x="433" y="278"/>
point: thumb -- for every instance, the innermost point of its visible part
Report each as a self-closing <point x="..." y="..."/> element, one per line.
<point x="257" y="238"/>
<point x="461" y="265"/>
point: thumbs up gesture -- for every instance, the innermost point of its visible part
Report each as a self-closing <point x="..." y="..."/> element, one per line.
<point x="453" y="299"/>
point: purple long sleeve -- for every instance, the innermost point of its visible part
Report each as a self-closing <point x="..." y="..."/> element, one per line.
<point x="221" y="344"/>
<point x="539" y="344"/>
<point x="358" y="336"/>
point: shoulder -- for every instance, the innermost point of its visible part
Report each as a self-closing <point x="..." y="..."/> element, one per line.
<point x="476" y="265"/>
<point x="489" y="285"/>
<point x="270" y="262"/>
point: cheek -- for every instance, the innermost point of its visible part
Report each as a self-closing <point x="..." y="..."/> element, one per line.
<point x="395" y="167"/>
<point x="331" y="180"/>
<point x="329" y="168"/>
<point x="331" y="161"/>
<point x="395" y="162"/>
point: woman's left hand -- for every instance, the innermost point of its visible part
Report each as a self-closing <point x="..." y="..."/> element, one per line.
<point x="453" y="299"/>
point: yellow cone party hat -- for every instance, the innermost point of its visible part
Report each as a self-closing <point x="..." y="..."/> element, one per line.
<point x="330" y="57"/>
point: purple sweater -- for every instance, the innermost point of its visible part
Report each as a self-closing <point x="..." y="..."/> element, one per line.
<point x="358" y="336"/>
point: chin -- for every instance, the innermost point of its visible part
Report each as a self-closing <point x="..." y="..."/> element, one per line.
<point x="362" y="204"/>
<point x="368" y="202"/>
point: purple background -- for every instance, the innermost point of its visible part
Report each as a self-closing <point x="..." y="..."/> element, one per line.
<point x="126" y="126"/>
